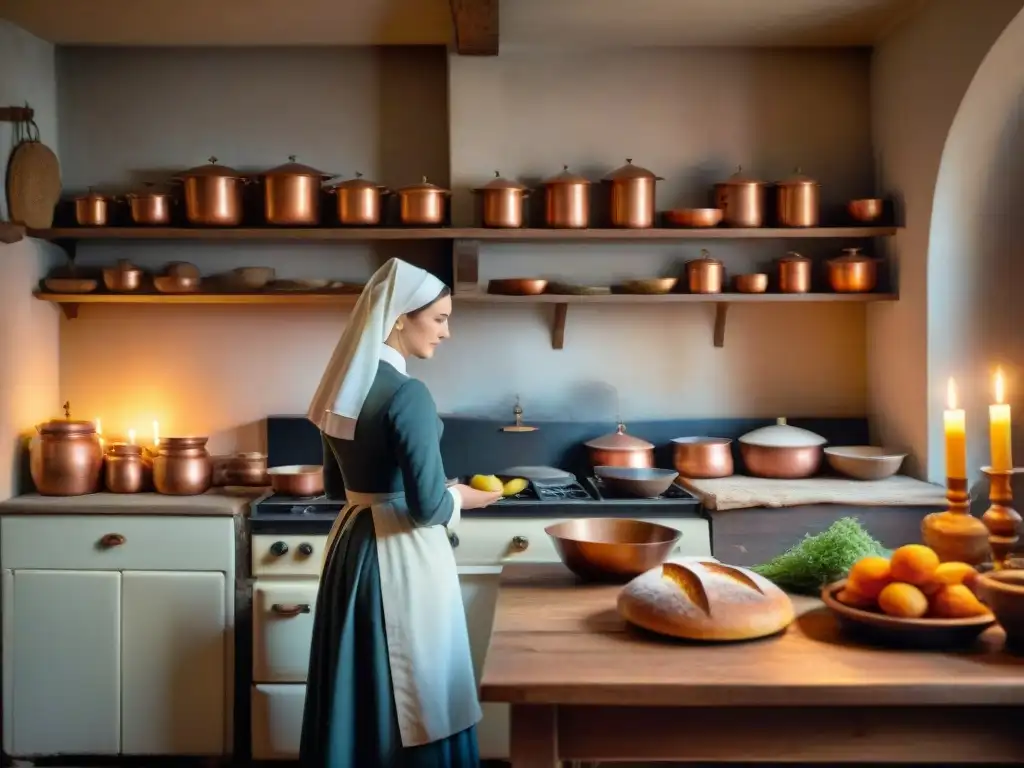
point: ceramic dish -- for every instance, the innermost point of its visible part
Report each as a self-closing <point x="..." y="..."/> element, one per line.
<point x="864" y="462"/>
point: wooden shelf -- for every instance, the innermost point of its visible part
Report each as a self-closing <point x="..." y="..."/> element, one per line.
<point x="70" y="302"/>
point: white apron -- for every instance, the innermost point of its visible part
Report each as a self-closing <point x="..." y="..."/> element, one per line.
<point x="428" y="644"/>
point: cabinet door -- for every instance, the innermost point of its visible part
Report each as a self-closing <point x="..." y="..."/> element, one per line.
<point x="282" y="631"/>
<point x="173" y="677"/>
<point x="62" y="654"/>
<point x="479" y="596"/>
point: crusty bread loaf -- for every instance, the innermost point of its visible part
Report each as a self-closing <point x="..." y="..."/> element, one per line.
<point x="702" y="599"/>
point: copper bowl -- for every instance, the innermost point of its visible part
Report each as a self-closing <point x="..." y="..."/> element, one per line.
<point x="866" y="210"/>
<point x="176" y="284"/>
<point x="517" y="286"/>
<point x="639" y="482"/>
<point x="752" y="283"/>
<point x="650" y="286"/>
<point x="694" y="218"/>
<point x="702" y="457"/>
<point x="299" y="480"/>
<point x="611" y="548"/>
<point x="122" y="279"/>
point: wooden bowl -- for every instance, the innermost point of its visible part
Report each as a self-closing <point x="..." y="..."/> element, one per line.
<point x="752" y="283"/>
<point x="650" y="287"/>
<point x="517" y="286"/>
<point x="694" y="218"/>
<point x="904" y="633"/>
<point x="176" y="284"/>
<point x="612" y="548"/>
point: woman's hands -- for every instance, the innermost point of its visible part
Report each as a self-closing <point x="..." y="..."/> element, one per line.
<point x="474" y="499"/>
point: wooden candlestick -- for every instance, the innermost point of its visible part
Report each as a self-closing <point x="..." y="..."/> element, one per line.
<point x="955" y="534"/>
<point x="1001" y="519"/>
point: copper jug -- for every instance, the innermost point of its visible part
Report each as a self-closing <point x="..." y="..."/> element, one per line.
<point x="66" y="458"/>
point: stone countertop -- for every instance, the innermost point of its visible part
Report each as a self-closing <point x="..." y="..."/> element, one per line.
<point x="214" y="503"/>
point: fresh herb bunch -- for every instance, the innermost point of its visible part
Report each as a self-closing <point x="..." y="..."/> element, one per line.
<point x="818" y="560"/>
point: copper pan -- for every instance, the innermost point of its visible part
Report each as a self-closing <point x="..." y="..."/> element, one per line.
<point x="702" y="457"/>
<point x="612" y="549"/>
<point x="300" y="480"/>
<point x="517" y="286"/>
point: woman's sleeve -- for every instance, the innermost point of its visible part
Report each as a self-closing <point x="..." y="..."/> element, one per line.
<point x="413" y="420"/>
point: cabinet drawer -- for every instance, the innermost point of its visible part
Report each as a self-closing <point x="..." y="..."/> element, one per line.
<point x="277" y="721"/>
<point x="76" y="542"/>
<point x="282" y="617"/>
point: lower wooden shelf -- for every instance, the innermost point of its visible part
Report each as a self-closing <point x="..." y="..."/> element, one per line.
<point x="70" y="302"/>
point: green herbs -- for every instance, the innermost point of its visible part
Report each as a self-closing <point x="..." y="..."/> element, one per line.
<point x="821" y="559"/>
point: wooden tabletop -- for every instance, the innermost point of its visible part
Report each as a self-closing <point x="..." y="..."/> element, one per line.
<point x="559" y="641"/>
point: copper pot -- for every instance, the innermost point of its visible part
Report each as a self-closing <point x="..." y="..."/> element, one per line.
<point x="66" y="458"/>
<point x="182" y="466"/>
<point x="151" y="205"/>
<point x="781" y="451"/>
<point x="92" y="209"/>
<point x="794" y="273"/>
<point x="754" y="282"/>
<point x="359" y="201"/>
<point x="299" y="480"/>
<point x="797" y="201"/>
<point x="124" y="468"/>
<point x="501" y="202"/>
<point x="567" y="201"/>
<point x="620" y="450"/>
<point x="291" y="194"/>
<point x="741" y="199"/>
<point x="705" y="275"/>
<point x="702" y="457"/>
<point x="242" y="469"/>
<point x="213" y="195"/>
<point x="865" y="210"/>
<point x="852" y="272"/>
<point x="422" y="205"/>
<point x="632" y="196"/>
<point x="124" y="278"/>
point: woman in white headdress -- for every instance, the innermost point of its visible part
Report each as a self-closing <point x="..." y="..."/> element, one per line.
<point x="391" y="681"/>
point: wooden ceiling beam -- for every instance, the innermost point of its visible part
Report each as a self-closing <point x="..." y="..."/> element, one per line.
<point x="476" y="27"/>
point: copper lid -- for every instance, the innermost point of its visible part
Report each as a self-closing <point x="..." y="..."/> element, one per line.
<point x="423" y="186"/>
<point x="739" y="179"/>
<point x="125" y="449"/>
<point x="792" y="257"/>
<point x="705" y="258"/>
<point x="292" y="168"/>
<point x="213" y="170"/>
<point x="356" y="183"/>
<point x="630" y="171"/>
<point x="499" y="183"/>
<point x="850" y="255"/>
<point x="67" y="427"/>
<point x="566" y="178"/>
<point x="619" y="441"/>
<point x="92" y="194"/>
<point x="150" y="189"/>
<point x="797" y="180"/>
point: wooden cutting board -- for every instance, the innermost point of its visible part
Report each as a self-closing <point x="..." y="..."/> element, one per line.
<point x="33" y="184"/>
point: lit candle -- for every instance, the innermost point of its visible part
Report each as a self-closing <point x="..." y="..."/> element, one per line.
<point x="156" y="433"/>
<point x="131" y="436"/>
<point x="99" y="431"/>
<point x="956" y="436"/>
<point x="999" y="428"/>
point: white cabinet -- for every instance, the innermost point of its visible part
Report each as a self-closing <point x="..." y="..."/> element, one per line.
<point x="103" y="656"/>
<point x="277" y="721"/>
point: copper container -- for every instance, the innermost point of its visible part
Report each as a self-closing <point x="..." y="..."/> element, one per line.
<point x="66" y="458"/>
<point x="702" y="457"/>
<point x="705" y="275"/>
<point x="291" y="194"/>
<point x="242" y="469"/>
<point x="794" y="273"/>
<point x="741" y="199"/>
<point x="632" y="196"/>
<point x="852" y="272"/>
<point x="359" y="201"/>
<point x="756" y="282"/>
<point x="92" y="209"/>
<point x="151" y="206"/>
<point x="182" y="467"/>
<point x="567" y="201"/>
<point x="123" y="278"/>
<point x="781" y="451"/>
<point x="694" y="218"/>
<point x="299" y="480"/>
<point x="501" y="202"/>
<point x="422" y="205"/>
<point x="865" y="211"/>
<point x="797" y="201"/>
<point x="612" y="548"/>
<point x="620" y="450"/>
<point x="124" y="468"/>
<point x="517" y="286"/>
<point x="213" y="195"/>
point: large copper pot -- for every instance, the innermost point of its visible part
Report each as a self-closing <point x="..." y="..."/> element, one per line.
<point x="422" y="205"/>
<point x="66" y="458"/>
<point x="632" y="196"/>
<point x="359" y="201"/>
<point x="567" y="201"/>
<point x="501" y="202"/>
<point x="781" y="451"/>
<point x="182" y="467"/>
<point x="794" y="273"/>
<point x="741" y="199"/>
<point x="213" y="195"/>
<point x="92" y="209"/>
<point x="151" y="206"/>
<point x="620" y="450"/>
<point x="853" y="272"/>
<point x="797" y="201"/>
<point x="291" y="194"/>
<point x="702" y="457"/>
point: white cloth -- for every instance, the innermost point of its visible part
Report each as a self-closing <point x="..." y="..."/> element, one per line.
<point x="396" y="288"/>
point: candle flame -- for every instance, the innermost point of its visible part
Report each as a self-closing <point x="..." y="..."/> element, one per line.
<point x="131" y="436"/>
<point x="156" y="432"/>
<point x="1000" y="387"/>
<point x="99" y="426"/>
<point x="951" y="394"/>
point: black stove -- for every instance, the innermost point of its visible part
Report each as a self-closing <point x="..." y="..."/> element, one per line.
<point x="274" y="513"/>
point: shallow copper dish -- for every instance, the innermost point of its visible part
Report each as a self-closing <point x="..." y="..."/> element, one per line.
<point x="612" y="548"/>
<point x="176" y="284"/>
<point x="70" y="285"/>
<point x="518" y="286"/>
<point x="651" y="286"/>
<point x="753" y="283"/>
<point x="694" y="218"/>
<point x="866" y="210"/>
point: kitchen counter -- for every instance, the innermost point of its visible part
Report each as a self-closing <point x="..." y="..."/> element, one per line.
<point x="213" y="503"/>
<point x="583" y="685"/>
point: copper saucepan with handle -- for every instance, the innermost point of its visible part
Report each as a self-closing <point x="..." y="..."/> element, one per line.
<point x="300" y="480"/>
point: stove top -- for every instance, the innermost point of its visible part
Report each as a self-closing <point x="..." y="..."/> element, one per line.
<point x="540" y="493"/>
<point x="275" y="513"/>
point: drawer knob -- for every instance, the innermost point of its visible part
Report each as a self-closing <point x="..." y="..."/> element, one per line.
<point x="305" y="549"/>
<point x="278" y="548"/>
<point x="520" y="543"/>
<point x="109" y="540"/>
<point x="288" y="611"/>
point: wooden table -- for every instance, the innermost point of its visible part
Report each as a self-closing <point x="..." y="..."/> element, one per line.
<point x="584" y="686"/>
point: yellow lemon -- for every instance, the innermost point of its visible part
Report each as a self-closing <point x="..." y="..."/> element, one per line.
<point x="488" y="483"/>
<point x="514" y="486"/>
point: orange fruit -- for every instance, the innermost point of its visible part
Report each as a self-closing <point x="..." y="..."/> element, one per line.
<point x="851" y="597"/>
<point x="913" y="564"/>
<point x="869" y="576"/>
<point x="904" y="601"/>
<point x="952" y="573"/>
<point x="956" y="602"/>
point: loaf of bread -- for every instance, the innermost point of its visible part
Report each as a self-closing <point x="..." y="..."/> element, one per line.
<point x="703" y="599"/>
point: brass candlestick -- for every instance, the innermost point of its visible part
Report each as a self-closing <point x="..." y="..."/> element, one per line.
<point x="955" y="534"/>
<point x="1001" y="519"/>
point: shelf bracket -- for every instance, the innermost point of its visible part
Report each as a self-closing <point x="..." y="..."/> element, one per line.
<point x="70" y="310"/>
<point x="721" y="313"/>
<point x="558" y="326"/>
<point x="476" y="27"/>
<point x="16" y="114"/>
<point x="465" y="265"/>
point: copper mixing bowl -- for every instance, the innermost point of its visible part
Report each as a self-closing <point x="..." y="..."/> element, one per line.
<point x="517" y="286"/>
<point x="612" y="548"/>
<point x="694" y="218"/>
<point x="866" y="210"/>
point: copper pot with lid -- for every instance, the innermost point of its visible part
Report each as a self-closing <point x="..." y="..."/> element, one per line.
<point x="66" y="457"/>
<point x="567" y="201"/>
<point x="794" y="273"/>
<point x="213" y="195"/>
<point x="423" y="204"/>
<point x="359" y="201"/>
<point x="632" y="196"/>
<point x="705" y="275"/>
<point x="782" y="451"/>
<point x="93" y="209"/>
<point x="741" y="199"/>
<point x="797" y="201"/>
<point x="501" y="202"/>
<point x="151" y="205"/>
<point x="620" y="450"/>
<point x="291" y="194"/>
<point x="182" y="466"/>
<point x="853" y="272"/>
